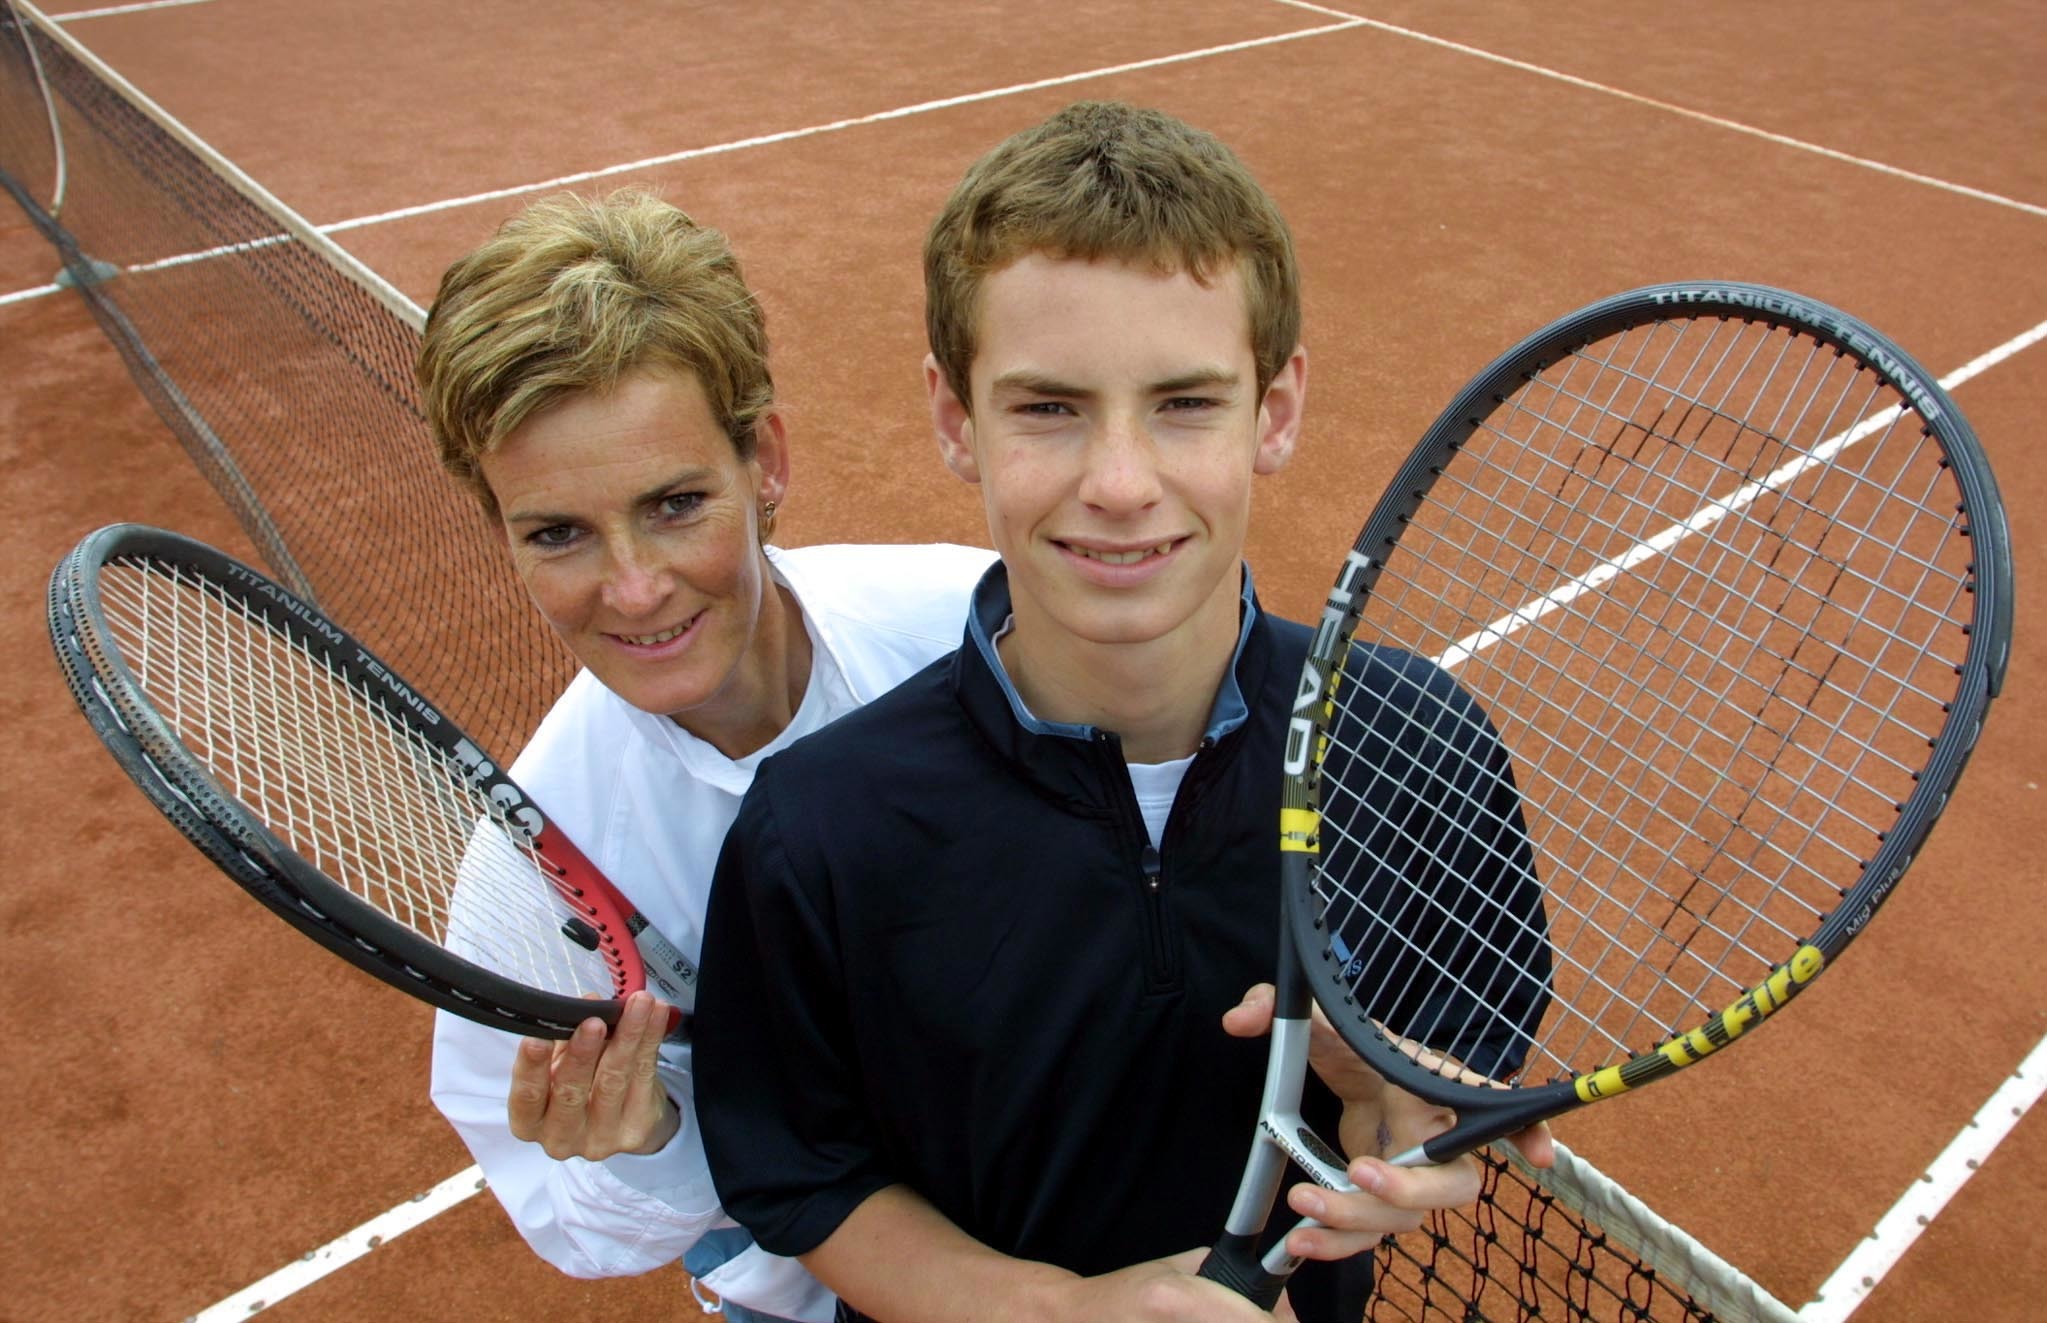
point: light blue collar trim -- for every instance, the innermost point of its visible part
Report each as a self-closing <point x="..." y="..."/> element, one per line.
<point x="991" y="609"/>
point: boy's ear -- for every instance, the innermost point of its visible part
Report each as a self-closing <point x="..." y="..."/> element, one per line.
<point x="1279" y="413"/>
<point x="952" y="422"/>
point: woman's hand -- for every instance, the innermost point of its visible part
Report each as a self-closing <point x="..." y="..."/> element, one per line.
<point x="593" y="1097"/>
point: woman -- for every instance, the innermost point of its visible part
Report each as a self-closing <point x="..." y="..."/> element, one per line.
<point x="597" y="375"/>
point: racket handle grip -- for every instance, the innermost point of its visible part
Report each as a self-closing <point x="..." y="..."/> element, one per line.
<point x="1234" y="1263"/>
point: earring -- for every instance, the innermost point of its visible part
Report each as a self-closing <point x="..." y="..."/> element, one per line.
<point x="767" y="510"/>
<point x="767" y="519"/>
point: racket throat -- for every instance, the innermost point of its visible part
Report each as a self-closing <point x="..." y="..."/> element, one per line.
<point x="1282" y="1135"/>
<point x="1482" y="1121"/>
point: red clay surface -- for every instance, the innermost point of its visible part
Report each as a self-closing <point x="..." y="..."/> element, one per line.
<point x="201" y="1098"/>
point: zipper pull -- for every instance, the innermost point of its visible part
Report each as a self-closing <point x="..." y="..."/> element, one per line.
<point x="1152" y="864"/>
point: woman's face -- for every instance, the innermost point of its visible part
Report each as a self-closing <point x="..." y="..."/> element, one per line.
<point x="635" y="527"/>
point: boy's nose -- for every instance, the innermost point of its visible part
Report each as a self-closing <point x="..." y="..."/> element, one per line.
<point x="1122" y="468"/>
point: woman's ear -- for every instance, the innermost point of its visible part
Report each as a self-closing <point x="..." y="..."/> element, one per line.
<point x="771" y="455"/>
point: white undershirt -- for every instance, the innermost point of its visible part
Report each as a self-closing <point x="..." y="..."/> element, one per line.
<point x="1156" y="785"/>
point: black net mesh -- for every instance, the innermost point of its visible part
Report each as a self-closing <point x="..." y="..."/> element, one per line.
<point x="287" y="374"/>
<point x="1566" y="1245"/>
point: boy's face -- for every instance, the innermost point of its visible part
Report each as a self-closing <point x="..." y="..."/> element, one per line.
<point x="1115" y="429"/>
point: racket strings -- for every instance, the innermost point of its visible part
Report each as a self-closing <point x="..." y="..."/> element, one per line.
<point x="1711" y="546"/>
<point x="324" y="763"/>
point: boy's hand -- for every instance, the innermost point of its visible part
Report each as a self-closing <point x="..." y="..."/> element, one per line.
<point x="1378" y="1118"/>
<point x="1164" y="1292"/>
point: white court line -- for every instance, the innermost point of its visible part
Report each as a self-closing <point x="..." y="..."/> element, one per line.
<point x="162" y="263"/>
<point x="1701" y="116"/>
<point x="1915" y="1210"/>
<point x="879" y="116"/>
<point x="124" y="9"/>
<point x="256" y="1298"/>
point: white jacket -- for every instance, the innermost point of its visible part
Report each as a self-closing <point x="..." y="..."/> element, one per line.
<point x="650" y="805"/>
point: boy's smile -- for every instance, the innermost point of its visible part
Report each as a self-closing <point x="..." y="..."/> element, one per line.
<point x="1115" y="430"/>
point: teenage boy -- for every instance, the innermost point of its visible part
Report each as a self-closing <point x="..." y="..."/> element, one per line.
<point x="970" y="951"/>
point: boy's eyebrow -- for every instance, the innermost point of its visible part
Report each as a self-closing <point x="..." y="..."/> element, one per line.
<point x="1199" y="379"/>
<point x="1023" y="381"/>
<point x="1026" y="382"/>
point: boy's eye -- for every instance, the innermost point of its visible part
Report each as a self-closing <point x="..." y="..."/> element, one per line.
<point x="1186" y="403"/>
<point x="1045" y="408"/>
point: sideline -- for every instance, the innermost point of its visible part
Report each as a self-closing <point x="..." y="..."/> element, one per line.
<point x="1895" y="1233"/>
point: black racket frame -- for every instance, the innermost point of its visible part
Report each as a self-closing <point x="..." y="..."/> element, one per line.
<point x="239" y="844"/>
<point x="1309" y="969"/>
<point x="1488" y="1114"/>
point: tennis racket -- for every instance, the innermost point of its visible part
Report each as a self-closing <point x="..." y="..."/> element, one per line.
<point x="1633" y="701"/>
<point x="338" y="795"/>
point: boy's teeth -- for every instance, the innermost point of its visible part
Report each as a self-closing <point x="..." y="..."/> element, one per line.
<point x="1126" y="557"/>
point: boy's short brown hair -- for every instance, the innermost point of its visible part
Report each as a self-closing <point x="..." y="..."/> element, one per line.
<point x="1106" y="180"/>
<point x="572" y="294"/>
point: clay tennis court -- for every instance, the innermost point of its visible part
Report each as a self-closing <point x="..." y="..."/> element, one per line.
<point x="200" y="1098"/>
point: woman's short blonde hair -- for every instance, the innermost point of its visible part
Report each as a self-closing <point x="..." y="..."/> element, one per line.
<point x="571" y="295"/>
<point x="1105" y="180"/>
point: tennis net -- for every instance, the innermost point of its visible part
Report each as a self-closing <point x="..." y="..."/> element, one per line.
<point x="284" y="366"/>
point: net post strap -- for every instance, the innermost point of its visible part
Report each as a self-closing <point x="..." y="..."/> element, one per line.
<point x="393" y="299"/>
<point x="1678" y="1259"/>
<point x="49" y="110"/>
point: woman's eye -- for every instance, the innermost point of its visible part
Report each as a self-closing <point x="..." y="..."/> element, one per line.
<point x="681" y="503"/>
<point x="554" y="535"/>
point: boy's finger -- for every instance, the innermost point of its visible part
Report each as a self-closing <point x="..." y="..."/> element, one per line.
<point x="1252" y="1016"/>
